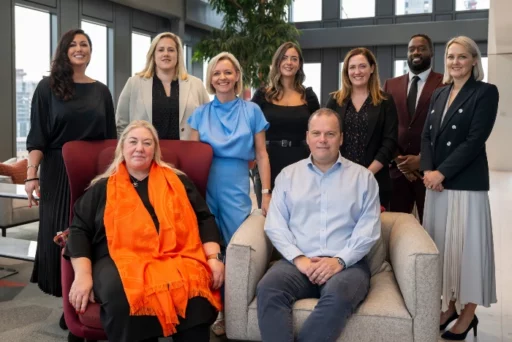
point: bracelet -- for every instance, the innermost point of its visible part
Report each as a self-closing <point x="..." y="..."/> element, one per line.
<point x="34" y="166"/>
<point x="31" y="179"/>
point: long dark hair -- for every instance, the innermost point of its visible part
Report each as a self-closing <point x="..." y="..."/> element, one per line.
<point x="275" y="89"/>
<point x="61" y="73"/>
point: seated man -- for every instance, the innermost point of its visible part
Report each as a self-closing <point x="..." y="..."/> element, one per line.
<point x="324" y="218"/>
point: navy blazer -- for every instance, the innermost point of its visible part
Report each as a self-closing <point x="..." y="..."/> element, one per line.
<point x="456" y="147"/>
<point x="382" y="137"/>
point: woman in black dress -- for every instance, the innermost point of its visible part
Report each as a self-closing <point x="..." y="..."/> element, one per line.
<point x="66" y="106"/>
<point x="369" y="118"/>
<point x="287" y="105"/>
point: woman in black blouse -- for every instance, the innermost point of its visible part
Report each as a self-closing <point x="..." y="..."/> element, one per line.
<point x="287" y="105"/>
<point x="66" y="106"/>
<point x="163" y="94"/>
<point x="370" y="121"/>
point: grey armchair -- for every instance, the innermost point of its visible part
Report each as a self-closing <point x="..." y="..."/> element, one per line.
<point x="403" y="303"/>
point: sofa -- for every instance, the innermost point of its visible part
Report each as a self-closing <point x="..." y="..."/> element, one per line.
<point x="403" y="303"/>
<point x="15" y="212"/>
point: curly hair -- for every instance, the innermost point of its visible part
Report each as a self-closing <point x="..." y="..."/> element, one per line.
<point x="61" y="72"/>
<point x="275" y="90"/>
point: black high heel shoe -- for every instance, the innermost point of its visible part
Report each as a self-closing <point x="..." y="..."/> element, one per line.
<point x="452" y="318"/>
<point x="448" y="335"/>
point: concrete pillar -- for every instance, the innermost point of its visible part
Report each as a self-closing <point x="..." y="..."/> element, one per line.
<point x="499" y="145"/>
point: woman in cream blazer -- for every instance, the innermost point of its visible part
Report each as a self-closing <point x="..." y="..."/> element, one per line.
<point x="165" y="71"/>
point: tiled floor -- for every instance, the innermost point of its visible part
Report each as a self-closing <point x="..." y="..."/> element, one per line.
<point x="495" y="322"/>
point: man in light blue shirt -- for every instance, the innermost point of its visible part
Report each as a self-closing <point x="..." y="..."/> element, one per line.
<point x="324" y="218"/>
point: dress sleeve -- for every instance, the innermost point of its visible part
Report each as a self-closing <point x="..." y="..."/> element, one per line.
<point x="84" y="227"/>
<point x="312" y="100"/>
<point x="38" y="135"/>
<point x="195" y="118"/>
<point x="331" y="103"/>
<point x="111" y="131"/>
<point x="208" y="230"/>
<point x="258" y="120"/>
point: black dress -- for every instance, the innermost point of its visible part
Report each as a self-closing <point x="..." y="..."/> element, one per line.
<point x="87" y="239"/>
<point x="88" y="116"/>
<point x="166" y="110"/>
<point x="286" y="123"/>
<point x="355" y="128"/>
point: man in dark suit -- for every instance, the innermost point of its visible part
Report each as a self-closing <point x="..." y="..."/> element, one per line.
<point x="412" y="93"/>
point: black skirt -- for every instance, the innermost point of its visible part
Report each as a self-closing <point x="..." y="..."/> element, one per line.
<point x="53" y="217"/>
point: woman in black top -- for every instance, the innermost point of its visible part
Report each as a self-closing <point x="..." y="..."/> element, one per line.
<point x="66" y="106"/>
<point x="287" y="105"/>
<point x="369" y="118"/>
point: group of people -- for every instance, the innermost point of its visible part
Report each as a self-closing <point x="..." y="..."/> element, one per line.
<point x="417" y="141"/>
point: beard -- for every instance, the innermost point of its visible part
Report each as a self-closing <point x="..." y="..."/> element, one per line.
<point x="419" y="68"/>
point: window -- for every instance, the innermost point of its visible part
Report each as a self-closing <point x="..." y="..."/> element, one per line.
<point x="401" y="67"/>
<point x="313" y="73"/>
<point x="413" y="6"/>
<point x="140" y="46"/>
<point x="97" y="68"/>
<point x="307" y="10"/>
<point x="351" y="9"/>
<point x="340" y="78"/>
<point x="471" y="5"/>
<point x="485" y="66"/>
<point x="33" y="52"/>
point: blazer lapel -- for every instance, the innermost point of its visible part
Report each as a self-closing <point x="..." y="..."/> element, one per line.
<point x="147" y="96"/>
<point x="439" y="109"/>
<point x="401" y="101"/>
<point x="426" y="93"/>
<point x="464" y="94"/>
<point x="184" y="92"/>
<point x="373" y="116"/>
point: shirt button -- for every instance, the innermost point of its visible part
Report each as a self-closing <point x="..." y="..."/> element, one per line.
<point x="449" y="143"/>
<point x="454" y="127"/>
<point x="182" y="129"/>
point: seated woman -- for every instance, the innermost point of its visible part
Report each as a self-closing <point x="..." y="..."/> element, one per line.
<point x="144" y="244"/>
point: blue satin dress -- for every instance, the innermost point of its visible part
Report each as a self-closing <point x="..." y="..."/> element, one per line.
<point x="229" y="128"/>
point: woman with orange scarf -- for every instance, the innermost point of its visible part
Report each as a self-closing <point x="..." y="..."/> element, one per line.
<point x="144" y="244"/>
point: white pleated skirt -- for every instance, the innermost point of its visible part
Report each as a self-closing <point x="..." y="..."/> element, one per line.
<point x="460" y="224"/>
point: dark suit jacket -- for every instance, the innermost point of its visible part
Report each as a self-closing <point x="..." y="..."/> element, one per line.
<point x="381" y="141"/>
<point x="409" y="131"/>
<point x="456" y="147"/>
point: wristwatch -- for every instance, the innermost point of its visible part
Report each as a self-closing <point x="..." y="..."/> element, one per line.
<point x="266" y="191"/>
<point x="217" y="256"/>
<point x="342" y="262"/>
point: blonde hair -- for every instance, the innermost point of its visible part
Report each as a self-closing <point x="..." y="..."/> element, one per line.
<point x="119" y="158"/>
<point x="149" y="69"/>
<point x="213" y="63"/>
<point x="472" y="48"/>
<point x="373" y="83"/>
<point x="275" y="89"/>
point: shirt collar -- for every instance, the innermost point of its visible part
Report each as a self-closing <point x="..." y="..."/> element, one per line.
<point x="423" y="76"/>
<point x="338" y="164"/>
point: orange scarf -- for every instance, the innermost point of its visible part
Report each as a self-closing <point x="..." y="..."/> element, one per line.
<point x="161" y="270"/>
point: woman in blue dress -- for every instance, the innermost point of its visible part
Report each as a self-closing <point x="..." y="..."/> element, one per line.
<point x="236" y="131"/>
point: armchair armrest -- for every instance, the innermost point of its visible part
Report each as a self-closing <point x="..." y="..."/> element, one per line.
<point x="416" y="264"/>
<point x="247" y="257"/>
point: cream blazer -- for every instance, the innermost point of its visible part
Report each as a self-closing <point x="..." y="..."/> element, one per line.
<point x="136" y="102"/>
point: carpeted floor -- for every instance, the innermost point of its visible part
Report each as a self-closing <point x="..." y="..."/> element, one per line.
<point x="26" y="313"/>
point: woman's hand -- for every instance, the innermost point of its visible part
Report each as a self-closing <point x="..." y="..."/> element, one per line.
<point x="265" y="203"/>
<point x="81" y="292"/>
<point x="217" y="268"/>
<point x="433" y="180"/>
<point x="30" y="187"/>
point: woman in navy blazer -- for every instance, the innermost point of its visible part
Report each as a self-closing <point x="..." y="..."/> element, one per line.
<point x="457" y="213"/>
<point x="369" y="118"/>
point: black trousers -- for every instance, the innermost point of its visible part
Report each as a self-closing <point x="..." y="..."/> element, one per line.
<point x="406" y="194"/>
<point x="121" y="327"/>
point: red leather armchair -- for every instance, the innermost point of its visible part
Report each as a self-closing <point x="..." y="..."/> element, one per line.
<point x="86" y="159"/>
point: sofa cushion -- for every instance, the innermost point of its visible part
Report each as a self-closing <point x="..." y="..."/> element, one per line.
<point x="17" y="170"/>
<point x="381" y="317"/>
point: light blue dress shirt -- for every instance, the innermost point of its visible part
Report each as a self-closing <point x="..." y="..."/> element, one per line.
<point x="332" y="214"/>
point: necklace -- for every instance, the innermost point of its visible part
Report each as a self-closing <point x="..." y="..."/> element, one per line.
<point x="134" y="181"/>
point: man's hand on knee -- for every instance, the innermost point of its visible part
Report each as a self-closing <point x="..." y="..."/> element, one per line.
<point x="322" y="269"/>
<point x="303" y="263"/>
